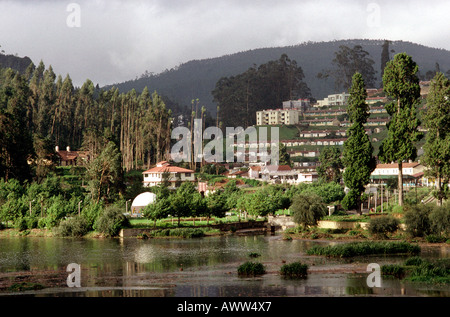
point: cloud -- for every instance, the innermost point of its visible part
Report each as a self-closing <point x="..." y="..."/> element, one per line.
<point x="119" y="40"/>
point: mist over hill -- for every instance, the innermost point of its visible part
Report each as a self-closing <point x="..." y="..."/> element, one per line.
<point x="197" y="78"/>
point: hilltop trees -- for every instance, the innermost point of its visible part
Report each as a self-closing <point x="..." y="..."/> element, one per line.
<point x="357" y="155"/>
<point x="401" y="85"/>
<point x="239" y="97"/>
<point x="347" y="61"/>
<point x="437" y="146"/>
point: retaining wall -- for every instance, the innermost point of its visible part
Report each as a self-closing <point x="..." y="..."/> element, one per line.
<point x="243" y="225"/>
<point x="284" y="222"/>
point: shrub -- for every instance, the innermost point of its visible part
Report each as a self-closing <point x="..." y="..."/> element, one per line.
<point x="417" y="220"/>
<point x="32" y="222"/>
<point x="21" y="224"/>
<point x="178" y="232"/>
<point x="91" y="212"/>
<point x="397" y="209"/>
<point x="350" y="201"/>
<point x="111" y="220"/>
<point x="251" y="269"/>
<point x="383" y="225"/>
<point x="440" y="220"/>
<point x="434" y="238"/>
<point x="294" y="270"/>
<point x="72" y="227"/>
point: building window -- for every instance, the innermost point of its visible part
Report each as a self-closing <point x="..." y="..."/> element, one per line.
<point x="187" y="175"/>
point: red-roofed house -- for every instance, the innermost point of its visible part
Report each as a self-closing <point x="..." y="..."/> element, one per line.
<point x="254" y="172"/>
<point x="154" y="176"/>
<point x="71" y="158"/>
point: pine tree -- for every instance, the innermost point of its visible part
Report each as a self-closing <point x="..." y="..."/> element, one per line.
<point x="401" y="85"/>
<point x="357" y="155"/>
<point x="437" y="121"/>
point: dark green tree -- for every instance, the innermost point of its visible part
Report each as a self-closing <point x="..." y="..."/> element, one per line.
<point x="437" y="146"/>
<point x="401" y="85"/>
<point x="284" y="157"/>
<point x="16" y="144"/>
<point x="358" y="151"/>
<point x="330" y="166"/>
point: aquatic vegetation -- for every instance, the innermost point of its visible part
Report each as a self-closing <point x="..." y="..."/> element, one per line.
<point x="251" y="269"/>
<point x="294" y="270"/>
<point x="364" y="248"/>
<point x="420" y="270"/>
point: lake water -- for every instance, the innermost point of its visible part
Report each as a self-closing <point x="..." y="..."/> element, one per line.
<point x="202" y="267"/>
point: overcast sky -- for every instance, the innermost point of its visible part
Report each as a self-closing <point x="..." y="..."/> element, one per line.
<point x="110" y="41"/>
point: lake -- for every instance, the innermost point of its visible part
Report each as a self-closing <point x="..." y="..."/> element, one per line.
<point x="201" y="267"/>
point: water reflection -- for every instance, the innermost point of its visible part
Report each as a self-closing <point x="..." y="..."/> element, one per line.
<point x="204" y="267"/>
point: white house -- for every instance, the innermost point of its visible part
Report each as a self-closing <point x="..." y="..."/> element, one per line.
<point x="307" y="177"/>
<point x="412" y="172"/>
<point x="155" y="176"/>
<point x="278" y="174"/>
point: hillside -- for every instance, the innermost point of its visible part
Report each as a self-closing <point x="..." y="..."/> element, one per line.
<point x="17" y="63"/>
<point x="197" y="78"/>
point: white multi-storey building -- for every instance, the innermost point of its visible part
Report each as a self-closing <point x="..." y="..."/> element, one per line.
<point x="277" y="116"/>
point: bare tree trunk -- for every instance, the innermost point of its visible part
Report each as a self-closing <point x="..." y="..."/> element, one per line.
<point x="438" y="185"/>
<point x="400" y="183"/>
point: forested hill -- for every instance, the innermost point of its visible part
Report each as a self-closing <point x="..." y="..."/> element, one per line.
<point x="197" y="78"/>
<point x="19" y="64"/>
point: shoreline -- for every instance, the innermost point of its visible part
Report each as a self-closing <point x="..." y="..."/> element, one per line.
<point x="45" y="233"/>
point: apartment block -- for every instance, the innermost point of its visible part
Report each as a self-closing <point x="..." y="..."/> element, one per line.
<point x="277" y="116"/>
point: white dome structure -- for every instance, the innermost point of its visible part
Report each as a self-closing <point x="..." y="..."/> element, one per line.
<point x="140" y="202"/>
